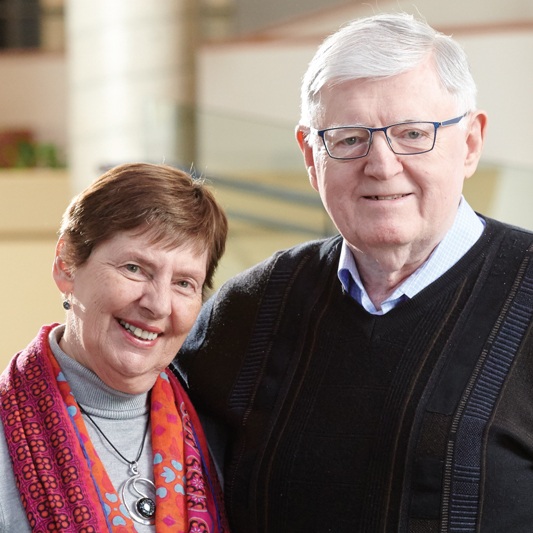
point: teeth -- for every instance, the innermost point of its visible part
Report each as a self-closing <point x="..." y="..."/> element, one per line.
<point x="138" y="332"/>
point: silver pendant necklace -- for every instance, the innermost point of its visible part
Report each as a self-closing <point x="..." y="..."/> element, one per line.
<point x="143" y="511"/>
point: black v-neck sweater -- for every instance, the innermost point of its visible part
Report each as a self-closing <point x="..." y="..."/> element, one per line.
<point x="327" y="418"/>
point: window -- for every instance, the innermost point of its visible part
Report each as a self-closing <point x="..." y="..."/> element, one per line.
<point x="19" y="24"/>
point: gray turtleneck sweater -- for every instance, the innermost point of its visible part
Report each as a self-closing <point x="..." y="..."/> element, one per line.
<point x="122" y="417"/>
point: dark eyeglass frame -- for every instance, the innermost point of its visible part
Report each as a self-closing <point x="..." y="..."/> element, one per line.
<point x="371" y="131"/>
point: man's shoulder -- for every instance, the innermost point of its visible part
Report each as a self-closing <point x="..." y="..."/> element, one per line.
<point x="228" y="319"/>
<point x="515" y="235"/>
<point x="237" y="301"/>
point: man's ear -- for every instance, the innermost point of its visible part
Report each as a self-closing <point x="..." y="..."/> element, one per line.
<point x="474" y="141"/>
<point x="61" y="271"/>
<point x="302" y="137"/>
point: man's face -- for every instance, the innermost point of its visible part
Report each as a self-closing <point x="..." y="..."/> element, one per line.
<point x="384" y="201"/>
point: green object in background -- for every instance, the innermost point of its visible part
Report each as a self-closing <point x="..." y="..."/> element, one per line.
<point x="31" y="155"/>
<point x="18" y="149"/>
<point x="25" y="155"/>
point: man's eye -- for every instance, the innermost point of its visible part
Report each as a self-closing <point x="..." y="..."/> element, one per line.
<point x="413" y="134"/>
<point x="351" y="141"/>
<point x="132" y="268"/>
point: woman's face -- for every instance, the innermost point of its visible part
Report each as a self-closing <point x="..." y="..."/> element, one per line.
<point x="133" y="303"/>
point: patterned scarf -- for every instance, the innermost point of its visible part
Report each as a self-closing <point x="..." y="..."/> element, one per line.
<point x="62" y="482"/>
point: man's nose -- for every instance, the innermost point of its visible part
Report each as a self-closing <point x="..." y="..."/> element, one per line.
<point x="381" y="162"/>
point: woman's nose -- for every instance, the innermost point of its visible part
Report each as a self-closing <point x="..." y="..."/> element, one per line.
<point x="157" y="300"/>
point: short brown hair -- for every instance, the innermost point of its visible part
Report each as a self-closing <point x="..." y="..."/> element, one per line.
<point x="163" y="200"/>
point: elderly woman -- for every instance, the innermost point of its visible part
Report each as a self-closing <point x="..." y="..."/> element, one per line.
<point x="99" y="434"/>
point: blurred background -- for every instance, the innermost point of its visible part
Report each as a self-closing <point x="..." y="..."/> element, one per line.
<point x="209" y="85"/>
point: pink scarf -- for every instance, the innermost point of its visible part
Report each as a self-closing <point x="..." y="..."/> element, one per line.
<point x="63" y="484"/>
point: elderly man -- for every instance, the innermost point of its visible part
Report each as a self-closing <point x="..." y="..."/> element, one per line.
<point x="380" y="380"/>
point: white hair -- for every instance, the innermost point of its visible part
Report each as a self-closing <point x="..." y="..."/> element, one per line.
<point x="382" y="46"/>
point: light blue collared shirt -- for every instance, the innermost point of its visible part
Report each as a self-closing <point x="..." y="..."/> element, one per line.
<point x="466" y="230"/>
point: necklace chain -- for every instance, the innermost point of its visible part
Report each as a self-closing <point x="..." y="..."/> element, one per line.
<point x="133" y="464"/>
<point x="143" y="511"/>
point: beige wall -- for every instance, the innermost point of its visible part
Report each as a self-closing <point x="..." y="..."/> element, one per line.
<point x="33" y="94"/>
<point x="31" y="205"/>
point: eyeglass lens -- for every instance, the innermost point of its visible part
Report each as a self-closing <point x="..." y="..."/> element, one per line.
<point x="408" y="138"/>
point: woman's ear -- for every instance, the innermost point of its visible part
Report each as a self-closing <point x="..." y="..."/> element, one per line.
<point x="61" y="271"/>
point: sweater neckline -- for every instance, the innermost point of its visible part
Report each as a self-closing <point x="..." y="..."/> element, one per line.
<point x="90" y="391"/>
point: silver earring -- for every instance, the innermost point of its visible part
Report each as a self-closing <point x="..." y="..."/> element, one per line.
<point x="66" y="305"/>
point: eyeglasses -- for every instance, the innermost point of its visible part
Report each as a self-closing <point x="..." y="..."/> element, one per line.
<point x="404" y="138"/>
